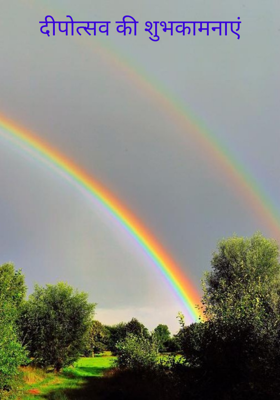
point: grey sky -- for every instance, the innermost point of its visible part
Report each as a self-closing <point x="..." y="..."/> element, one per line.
<point x="67" y="92"/>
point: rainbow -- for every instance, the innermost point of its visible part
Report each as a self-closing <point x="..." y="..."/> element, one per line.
<point x="240" y="179"/>
<point x="48" y="155"/>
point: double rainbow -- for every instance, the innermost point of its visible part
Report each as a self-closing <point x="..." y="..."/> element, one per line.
<point x="241" y="181"/>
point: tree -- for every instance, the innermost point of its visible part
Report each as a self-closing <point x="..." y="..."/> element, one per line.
<point x="54" y="324"/>
<point x="12" y="285"/>
<point x="237" y="349"/>
<point x="96" y="339"/>
<point x="12" y="354"/>
<point x="245" y="281"/>
<point x="116" y="333"/>
<point x="136" y="328"/>
<point x="163" y="336"/>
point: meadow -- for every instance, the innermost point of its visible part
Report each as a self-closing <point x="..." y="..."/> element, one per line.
<point x="72" y="383"/>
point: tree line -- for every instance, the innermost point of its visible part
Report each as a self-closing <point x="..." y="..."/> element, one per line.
<point x="233" y="354"/>
<point x="55" y="326"/>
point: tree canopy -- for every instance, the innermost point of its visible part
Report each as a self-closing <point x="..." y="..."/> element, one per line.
<point x="162" y="335"/>
<point x="118" y="332"/>
<point x="245" y="280"/>
<point x="12" y="292"/>
<point x="96" y="339"/>
<point x="54" y="324"/>
<point x="237" y="348"/>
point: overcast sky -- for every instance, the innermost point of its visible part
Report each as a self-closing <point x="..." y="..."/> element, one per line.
<point x="75" y="96"/>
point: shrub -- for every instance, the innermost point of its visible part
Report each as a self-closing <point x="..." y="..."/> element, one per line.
<point x="137" y="353"/>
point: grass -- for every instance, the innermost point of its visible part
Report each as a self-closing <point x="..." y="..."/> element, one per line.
<point x="49" y="385"/>
<point x="91" y="378"/>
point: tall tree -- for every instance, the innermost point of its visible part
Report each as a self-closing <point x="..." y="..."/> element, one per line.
<point x="162" y="335"/>
<point x="96" y="339"/>
<point x="244" y="282"/>
<point x="12" y="354"/>
<point x="54" y="324"/>
<point x="237" y="349"/>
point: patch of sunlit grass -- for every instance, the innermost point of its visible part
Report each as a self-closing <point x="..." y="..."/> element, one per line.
<point x="39" y="384"/>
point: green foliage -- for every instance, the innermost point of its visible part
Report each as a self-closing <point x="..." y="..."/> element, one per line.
<point x="137" y="353"/>
<point x="136" y="328"/>
<point x="96" y="339"/>
<point x="163" y="337"/>
<point x="237" y="350"/>
<point x="12" y="285"/>
<point x="54" y="323"/>
<point x="244" y="284"/>
<point x="69" y="384"/>
<point x="117" y="333"/>
<point x="173" y="344"/>
<point x="12" y="354"/>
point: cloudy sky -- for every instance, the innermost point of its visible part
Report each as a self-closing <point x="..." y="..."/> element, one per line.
<point x="82" y="95"/>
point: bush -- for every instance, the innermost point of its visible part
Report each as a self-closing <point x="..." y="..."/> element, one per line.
<point x="137" y="353"/>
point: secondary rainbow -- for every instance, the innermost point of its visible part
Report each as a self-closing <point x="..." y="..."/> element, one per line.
<point x="44" y="152"/>
<point x="240" y="179"/>
<point x="218" y="154"/>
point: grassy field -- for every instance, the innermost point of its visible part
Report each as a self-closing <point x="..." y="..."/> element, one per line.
<point x="72" y="383"/>
<point x="88" y="378"/>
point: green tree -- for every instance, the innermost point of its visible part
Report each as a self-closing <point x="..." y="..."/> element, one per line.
<point x="116" y="333"/>
<point x="163" y="336"/>
<point x="244" y="282"/>
<point x="237" y="349"/>
<point x="12" y="354"/>
<point x="136" y="328"/>
<point x="54" y="324"/>
<point x="96" y="339"/>
<point x="12" y="285"/>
